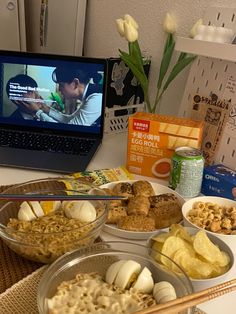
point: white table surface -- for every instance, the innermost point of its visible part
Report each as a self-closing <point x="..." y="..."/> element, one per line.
<point x="112" y="153"/>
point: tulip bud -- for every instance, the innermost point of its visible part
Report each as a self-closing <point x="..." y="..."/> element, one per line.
<point x="194" y="29"/>
<point x="169" y="24"/>
<point x="128" y="18"/>
<point x="120" y="27"/>
<point x="130" y="32"/>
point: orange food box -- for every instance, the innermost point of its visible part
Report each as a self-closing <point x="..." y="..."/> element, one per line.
<point x="153" y="138"/>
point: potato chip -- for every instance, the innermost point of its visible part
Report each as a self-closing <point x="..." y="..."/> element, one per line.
<point x="181" y="254"/>
<point x="180" y="231"/>
<point x="218" y="270"/>
<point x="204" y="247"/>
<point x="161" y="237"/>
<point x="224" y="259"/>
<point x="195" y="268"/>
<point x="158" y="247"/>
<point x="170" y="246"/>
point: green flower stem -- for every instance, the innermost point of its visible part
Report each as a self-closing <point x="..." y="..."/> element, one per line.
<point x="166" y="59"/>
<point x="182" y="62"/>
<point x="157" y="100"/>
<point x="147" y="101"/>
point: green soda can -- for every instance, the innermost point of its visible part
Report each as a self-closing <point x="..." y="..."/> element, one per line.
<point x="187" y="171"/>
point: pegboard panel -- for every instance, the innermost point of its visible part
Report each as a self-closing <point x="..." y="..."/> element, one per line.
<point x="209" y="75"/>
<point x="227" y="155"/>
<point x="227" y="149"/>
<point x="206" y="76"/>
<point x="219" y="16"/>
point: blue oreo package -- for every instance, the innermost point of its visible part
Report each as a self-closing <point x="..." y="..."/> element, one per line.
<point x="219" y="180"/>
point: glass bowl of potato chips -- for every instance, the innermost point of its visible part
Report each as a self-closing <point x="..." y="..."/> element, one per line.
<point x="206" y="259"/>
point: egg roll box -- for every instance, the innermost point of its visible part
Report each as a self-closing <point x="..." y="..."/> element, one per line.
<point x="153" y="138"/>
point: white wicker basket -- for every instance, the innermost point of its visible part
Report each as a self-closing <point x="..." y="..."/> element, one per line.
<point x="116" y="118"/>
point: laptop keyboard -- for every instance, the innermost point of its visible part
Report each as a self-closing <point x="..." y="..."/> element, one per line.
<point x="43" y="142"/>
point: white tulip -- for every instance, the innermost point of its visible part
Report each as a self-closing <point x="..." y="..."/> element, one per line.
<point x="169" y="24"/>
<point x="128" y="28"/>
<point x="120" y="27"/>
<point x="130" y="32"/>
<point x="128" y="18"/>
<point x="194" y="29"/>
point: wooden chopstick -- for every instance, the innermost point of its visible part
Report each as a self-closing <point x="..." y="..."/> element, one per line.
<point x="60" y="197"/>
<point x="187" y="301"/>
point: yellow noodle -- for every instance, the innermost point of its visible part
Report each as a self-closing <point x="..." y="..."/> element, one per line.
<point x="49" y="236"/>
<point x="93" y="294"/>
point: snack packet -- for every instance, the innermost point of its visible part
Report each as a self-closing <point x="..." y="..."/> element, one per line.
<point x="101" y="176"/>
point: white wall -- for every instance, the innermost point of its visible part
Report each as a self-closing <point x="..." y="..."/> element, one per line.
<point x="102" y="39"/>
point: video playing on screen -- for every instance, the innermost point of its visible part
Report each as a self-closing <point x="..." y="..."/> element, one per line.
<point x="61" y="95"/>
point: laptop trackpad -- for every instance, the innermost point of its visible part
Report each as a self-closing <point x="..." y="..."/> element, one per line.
<point x="40" y="160"/>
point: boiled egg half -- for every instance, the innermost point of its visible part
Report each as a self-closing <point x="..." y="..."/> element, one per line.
<point x="128" y="273"/>
<point x="50" y="206"/>
<point x="82" y="210"/>
<point x="26" y="212"/>
<point x="163" y="292"/>
<point x="33" y="209"/>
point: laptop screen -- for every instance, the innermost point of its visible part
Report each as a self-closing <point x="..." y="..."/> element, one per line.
<point x="64" y="95"/>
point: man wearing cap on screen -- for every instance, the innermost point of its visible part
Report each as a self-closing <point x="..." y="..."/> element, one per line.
<point x="74" y="84"/>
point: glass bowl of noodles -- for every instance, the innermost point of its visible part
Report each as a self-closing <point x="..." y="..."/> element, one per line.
<point x="43" y="230"/>
<point x="109" y="277"/>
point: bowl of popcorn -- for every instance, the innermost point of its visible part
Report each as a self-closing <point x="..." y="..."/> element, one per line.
<point x="43" y="230"/>
<point x="216" y="215"/>
<point x="206" y="259"/>
<point x="109" y="277"/>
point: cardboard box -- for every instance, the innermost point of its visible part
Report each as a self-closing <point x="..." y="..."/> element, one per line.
<point x="219" y="180"/>
<point x="153" y="138"/>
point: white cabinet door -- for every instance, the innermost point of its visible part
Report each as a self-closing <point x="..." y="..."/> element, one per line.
<point x="55" y="26"/>
<point x="12" y="28"/>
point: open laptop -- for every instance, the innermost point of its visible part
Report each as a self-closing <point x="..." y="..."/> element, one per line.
<point x="42" y="127"/>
